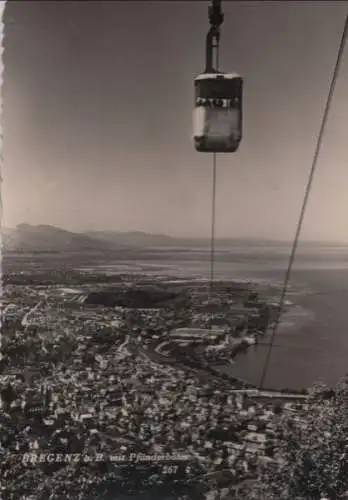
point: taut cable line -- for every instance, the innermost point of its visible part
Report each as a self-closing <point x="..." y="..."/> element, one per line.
<point x="306" y="197"/>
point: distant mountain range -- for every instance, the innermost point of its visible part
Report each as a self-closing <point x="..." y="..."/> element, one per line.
<point x="48" y="239"/>
<point x="45" y="238"/>
<point x="147" y="240"/>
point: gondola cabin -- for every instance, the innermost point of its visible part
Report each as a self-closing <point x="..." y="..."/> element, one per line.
<point x="217" y="116"/>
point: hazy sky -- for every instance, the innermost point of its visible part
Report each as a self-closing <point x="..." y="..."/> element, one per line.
<point x="97" y="116"/>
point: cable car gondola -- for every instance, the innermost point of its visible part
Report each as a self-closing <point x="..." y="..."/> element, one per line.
<point x="217" y="116"/>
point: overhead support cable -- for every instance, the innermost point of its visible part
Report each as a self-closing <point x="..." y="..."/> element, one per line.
<point x="306" y="197"/>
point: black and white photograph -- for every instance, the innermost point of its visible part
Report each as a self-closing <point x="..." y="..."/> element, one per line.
<point x="174" y="250"/>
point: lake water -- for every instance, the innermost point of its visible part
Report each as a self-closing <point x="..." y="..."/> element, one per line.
<point x="312" y="342"/>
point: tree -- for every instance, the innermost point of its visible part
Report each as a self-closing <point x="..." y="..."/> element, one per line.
<point x="312" y="459"/>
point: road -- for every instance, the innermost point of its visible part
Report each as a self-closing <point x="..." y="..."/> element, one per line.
<point x="25" y="320"/>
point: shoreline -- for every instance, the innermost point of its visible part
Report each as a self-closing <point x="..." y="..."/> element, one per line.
<point x="254" y="338"/>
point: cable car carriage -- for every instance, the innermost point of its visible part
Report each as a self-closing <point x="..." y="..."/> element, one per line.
<point x="217" y="116"/>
